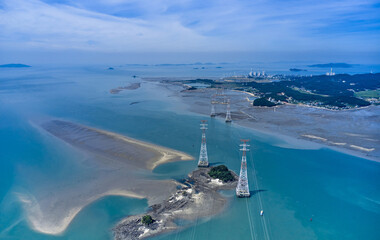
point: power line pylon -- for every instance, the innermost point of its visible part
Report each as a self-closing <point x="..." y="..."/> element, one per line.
<point x="213" y="113"/>
<point x="242" y="189"/>
<point x="203" y="158"/>
<point x="228" y="114"/>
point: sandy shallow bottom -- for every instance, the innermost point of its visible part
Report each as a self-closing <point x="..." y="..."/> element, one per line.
<point x="117" y="167"/>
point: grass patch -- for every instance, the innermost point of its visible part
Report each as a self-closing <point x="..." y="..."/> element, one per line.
<point x="368" y="94"/>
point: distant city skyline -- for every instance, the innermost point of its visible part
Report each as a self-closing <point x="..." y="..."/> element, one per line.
<point x="185" y="30"/>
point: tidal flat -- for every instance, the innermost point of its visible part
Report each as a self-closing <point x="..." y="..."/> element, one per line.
<point x="354" y="132"/>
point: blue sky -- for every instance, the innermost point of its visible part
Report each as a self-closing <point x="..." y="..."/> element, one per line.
<point x="114" y="27"/>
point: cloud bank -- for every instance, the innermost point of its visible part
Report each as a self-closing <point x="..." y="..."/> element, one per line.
<point x="189" y="25"/>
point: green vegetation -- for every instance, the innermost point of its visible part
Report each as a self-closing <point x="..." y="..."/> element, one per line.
<point x="368" y="94"/>
<point x="263" y="102"/>
<point x="147" y="219"/>
<point x="335" y="92"/>
<point x="221" y="172"/>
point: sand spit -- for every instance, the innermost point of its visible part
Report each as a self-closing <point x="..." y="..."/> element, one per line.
<point x="197" y="198"/>
<point x="113" y="145"/>
<point x="112" y="166"/>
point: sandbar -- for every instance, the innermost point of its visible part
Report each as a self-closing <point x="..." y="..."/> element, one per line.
<point x="113" y="166"/>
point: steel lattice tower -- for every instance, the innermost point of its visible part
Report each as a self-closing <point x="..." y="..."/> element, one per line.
<point x="242" y="189"/>
<point x="213" y="114"/>
<point x="228" y="115"/>
<point x="203" y="158"/>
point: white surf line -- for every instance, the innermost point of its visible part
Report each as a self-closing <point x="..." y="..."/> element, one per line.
<point x="263" y="219"/>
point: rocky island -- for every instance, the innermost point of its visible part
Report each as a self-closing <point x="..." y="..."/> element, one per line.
<point x="198" y="196"/>
<point x="132" y="86"/>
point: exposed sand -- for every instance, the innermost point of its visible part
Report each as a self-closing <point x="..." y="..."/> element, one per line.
<point x="113" y="145"/>
<point x="166" y="154"/>
<point x="314" y="137"/>
<point x="114" y="163"/>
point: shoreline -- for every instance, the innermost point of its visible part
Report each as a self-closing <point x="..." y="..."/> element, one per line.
<point x="260" y="120"/>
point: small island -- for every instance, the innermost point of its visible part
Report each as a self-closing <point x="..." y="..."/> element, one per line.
<point x="297" y="70"/>
<point x="14" y="65"/>
<point x="132" y="86"/>
<point x="198" y="196"/>
<point x="331" y="65"/>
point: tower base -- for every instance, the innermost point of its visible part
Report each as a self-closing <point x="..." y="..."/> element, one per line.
<point x="242" y="194"/>
<point x="203" y="164"/>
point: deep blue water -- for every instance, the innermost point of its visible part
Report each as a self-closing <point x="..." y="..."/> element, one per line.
<point x="341" y="193"/>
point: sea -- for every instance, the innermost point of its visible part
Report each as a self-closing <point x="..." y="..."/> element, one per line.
<point x="305" y="193"/>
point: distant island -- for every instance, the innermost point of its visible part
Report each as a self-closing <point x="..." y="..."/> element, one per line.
<point x="331" y="65"/>
<point x="297" y="70"/>
<point x="14" y="65"/>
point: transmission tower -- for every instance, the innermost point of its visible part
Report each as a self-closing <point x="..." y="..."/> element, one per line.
<point x="203" y="158"/>
<point x="228" y="115"/>
<point x="213" y="113"/>
<point x="242" y="189"/>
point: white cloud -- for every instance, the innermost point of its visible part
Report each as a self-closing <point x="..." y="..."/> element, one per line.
<point x="189" y="25"/>
<point x="36" y="24"/>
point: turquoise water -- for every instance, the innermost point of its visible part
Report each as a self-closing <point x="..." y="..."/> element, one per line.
<point x="341" y="193"/>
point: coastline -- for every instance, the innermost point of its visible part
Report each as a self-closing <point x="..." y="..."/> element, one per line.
<point x="328" y="129"/>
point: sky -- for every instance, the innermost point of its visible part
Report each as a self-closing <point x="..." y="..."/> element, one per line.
<point x="180" y="30"/>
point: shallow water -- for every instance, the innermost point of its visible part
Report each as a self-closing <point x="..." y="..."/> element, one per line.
<point x="340" y="193"/>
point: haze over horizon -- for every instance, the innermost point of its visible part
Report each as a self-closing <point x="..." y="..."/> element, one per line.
<point x="141" y="31"/>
